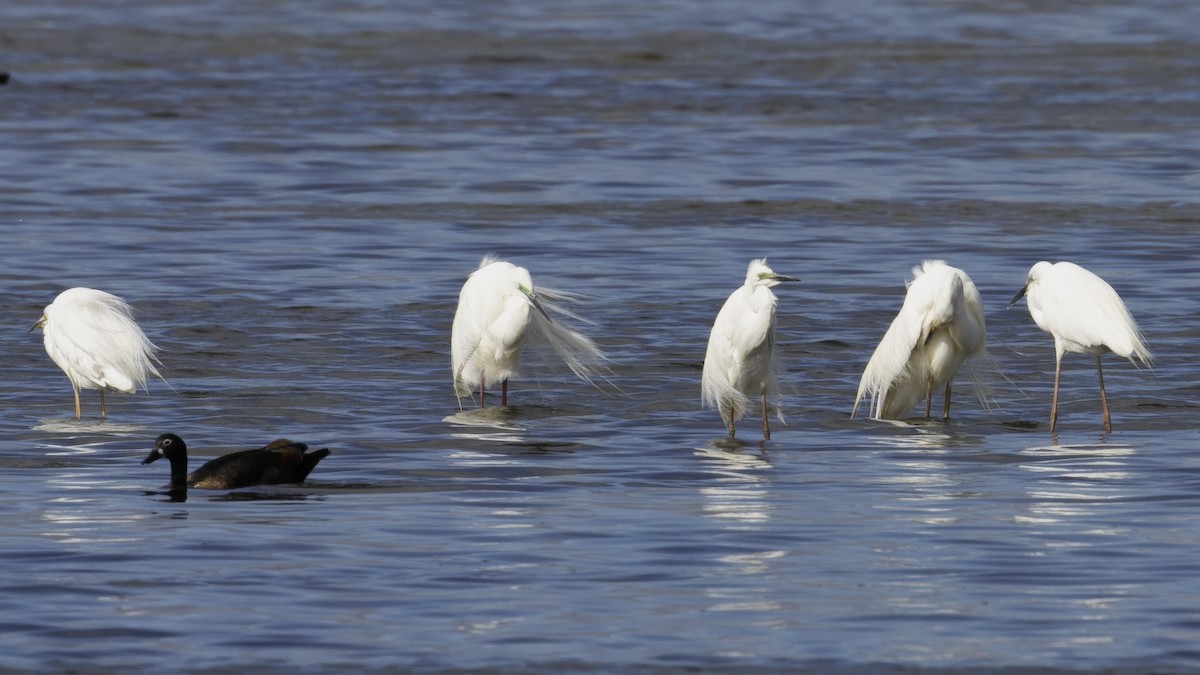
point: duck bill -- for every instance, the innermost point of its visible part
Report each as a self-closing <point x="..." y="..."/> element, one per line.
<point x="154" y="454"/>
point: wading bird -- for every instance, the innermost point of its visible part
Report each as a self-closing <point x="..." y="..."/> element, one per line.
<point x="1085" y="315"/>
<point x="939" y="326"/>
<point x="498" y="312"/>
<point x="92" y="337"/>
<point x="739" y="363"/>
<point x="280" y="461"/>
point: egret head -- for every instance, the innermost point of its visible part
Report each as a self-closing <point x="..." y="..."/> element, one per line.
<point x="1035" y="273"/>
<point x="759" y="275"/>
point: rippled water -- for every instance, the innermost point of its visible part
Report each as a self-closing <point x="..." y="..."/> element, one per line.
<point x="292" y="196"/>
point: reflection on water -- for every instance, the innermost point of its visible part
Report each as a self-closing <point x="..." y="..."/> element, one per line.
<point x="739" y="502"/>
<point x="499" y="419"/>
<point x="1074" y="483"/>
<point x="70" y="425"/>
<point x="740" y="499"/>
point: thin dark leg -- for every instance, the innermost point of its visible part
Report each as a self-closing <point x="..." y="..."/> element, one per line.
<point x="929" y="399"/>
<point x="727" y="417"/>
<point x="103" y="409"/>
<point x="946" y="405"/>
<point x="1054" y="399"/>
<point x="504" y="392"/>
<point x="766" y="425"/>
<point x="1103" y="398"/>
<point x="481" y="392"/>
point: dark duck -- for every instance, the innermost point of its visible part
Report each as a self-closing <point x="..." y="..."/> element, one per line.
<point x="280" y="461"/>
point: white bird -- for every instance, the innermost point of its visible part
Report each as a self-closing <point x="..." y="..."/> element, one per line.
<point x="92" y="337"/>
<point x="498" y="311"/>
<point x="740" y="360"/>
<point x="939" y="326"/>
<point x="1085" y="315"/>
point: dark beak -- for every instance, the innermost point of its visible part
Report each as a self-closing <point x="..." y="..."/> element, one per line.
<point x="780" y="277"/>
<point x="533" y="299"/>
<point x="154" y="454"/>
<point x="41" y="323"/>
<point x="1020" y="294"/>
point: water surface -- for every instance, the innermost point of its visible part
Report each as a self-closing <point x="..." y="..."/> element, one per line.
<point x="291" y="198"/>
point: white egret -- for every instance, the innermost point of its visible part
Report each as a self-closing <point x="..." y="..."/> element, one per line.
<point x="939" y="326"/>
<point x="498" y="311"/>
<point x="1085" y="315"/>
<point x="92" y="337"/>
<point x="280" y="461"/>
<point x="740" y="359"/>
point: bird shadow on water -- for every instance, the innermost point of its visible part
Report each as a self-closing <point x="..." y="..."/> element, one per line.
<point x="921" y="433"/>
<point x="64" y="425"/>
<point x="181" y="495"/>
<point x="500" y="418"/>
<point x="734" y="452"/>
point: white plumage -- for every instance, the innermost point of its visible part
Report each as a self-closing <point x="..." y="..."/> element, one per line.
<point x="499" y="310"/>
<point x="92" y="337"/>
<point x="939" y="326"/>
<point x="1085" y="315"/>
<point x="740" y="360"/>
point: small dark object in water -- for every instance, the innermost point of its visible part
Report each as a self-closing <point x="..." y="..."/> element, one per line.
<point x="280" y="461"/>
<point x="4" y="77"/>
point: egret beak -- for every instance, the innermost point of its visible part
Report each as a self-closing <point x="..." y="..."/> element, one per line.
<point x="533" y="299"/>
<point x="780" y="277"/>
<point x="41" y="323"/>
<point x="154" y="454"/>
<point x="1020" y="294"/>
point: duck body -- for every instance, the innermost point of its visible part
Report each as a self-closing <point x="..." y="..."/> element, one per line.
<point x="279" y="462"/>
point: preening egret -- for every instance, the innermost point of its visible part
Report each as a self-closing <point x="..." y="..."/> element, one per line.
<point x="739" y="362"/>
<point x="280" y="461"/>
<point x="1085" y="315"/>
<point x="498" y="311"/>
<point x="92" y="336"/>
<point x="940" y="325"/>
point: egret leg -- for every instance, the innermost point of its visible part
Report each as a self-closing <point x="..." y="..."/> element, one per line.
<point x="766" y="425"/>
<point x="1054" y="398"/>
<point x="928" y="399"/>
<point x="482" y="382"/>
<point x="1103" y="398"/>
<point x="78" y="414"/>
<point x="504" y="392"/>
<point x="103" y="410"/>
<point x="946" y="405"/>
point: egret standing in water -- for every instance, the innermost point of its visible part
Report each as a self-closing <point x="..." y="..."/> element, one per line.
<point x="498" y="311"/>
<point x="740" y="359"/>
<point x="940" y="325"/>
<point x="1085" y="315"/>
<point x="92" y="336"/>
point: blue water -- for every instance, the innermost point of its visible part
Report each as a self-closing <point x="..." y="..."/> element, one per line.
<point x="291" y="198"/>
